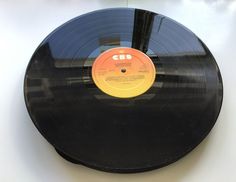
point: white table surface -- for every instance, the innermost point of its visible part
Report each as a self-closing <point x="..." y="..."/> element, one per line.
<point x="26" y="156"/>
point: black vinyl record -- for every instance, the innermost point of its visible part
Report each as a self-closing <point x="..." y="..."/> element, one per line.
<point x="173" y="98"/>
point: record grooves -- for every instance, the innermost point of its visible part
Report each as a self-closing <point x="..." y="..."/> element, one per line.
<point x="123" y="90"/>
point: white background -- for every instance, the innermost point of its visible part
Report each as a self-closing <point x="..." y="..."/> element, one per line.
<point x="26" y="156"/>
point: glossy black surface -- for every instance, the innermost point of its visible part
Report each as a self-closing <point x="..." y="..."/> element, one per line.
<point x="123" y="135"/>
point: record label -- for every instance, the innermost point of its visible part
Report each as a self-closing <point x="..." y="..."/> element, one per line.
<point x="123" y="72"/>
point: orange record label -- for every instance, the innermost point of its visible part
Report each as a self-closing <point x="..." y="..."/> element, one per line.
<point x="123" y="72"/>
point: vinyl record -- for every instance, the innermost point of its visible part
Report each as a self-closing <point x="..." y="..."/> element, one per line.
<point x="123" y="90"/>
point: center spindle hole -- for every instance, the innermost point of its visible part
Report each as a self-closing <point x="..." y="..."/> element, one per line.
<point x="123" y="70"/>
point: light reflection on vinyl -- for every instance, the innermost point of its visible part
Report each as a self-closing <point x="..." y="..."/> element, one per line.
<point x="123" y="132"/>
